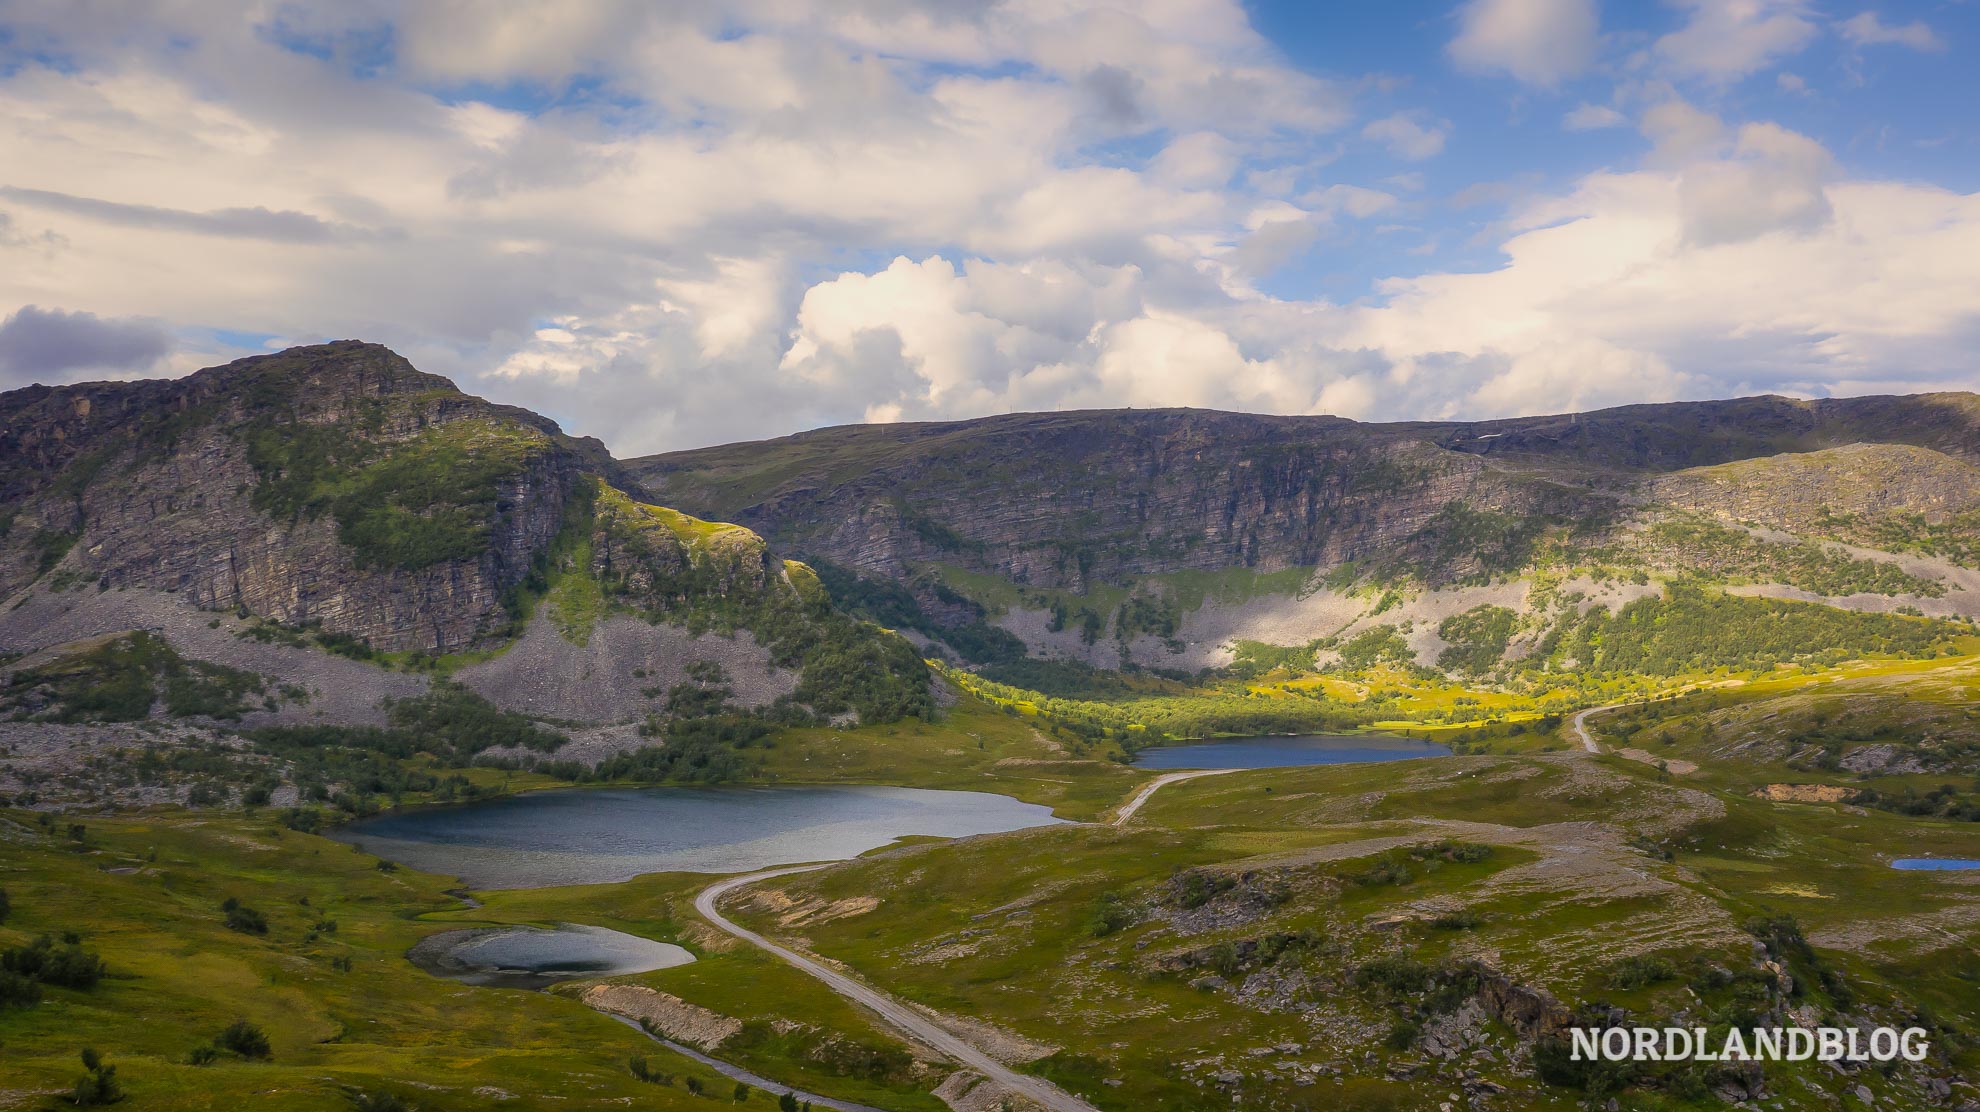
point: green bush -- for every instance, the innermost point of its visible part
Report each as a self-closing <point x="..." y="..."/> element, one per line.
<point x="18" y="991"/>
<point x="1640" y="971"/>
<point x="243" y="918"/>
<point x="1110" y="913"/>
<point x="65" y="966"/>
<point x="99" y="1085"/>
<point x="245" y="1039"/>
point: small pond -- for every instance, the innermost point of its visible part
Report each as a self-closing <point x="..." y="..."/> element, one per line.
<point x="604" y="836"/>
<point x="534" y="957"/>
<point x="1936" y="864"/>
<point x="1289" y="751"/>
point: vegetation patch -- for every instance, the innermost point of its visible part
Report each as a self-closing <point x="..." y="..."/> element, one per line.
<point x="121" y="679"/>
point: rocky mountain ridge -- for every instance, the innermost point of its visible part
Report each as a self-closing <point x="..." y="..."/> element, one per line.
<point x="333" y="501"/>
<point x="1033" y="518"/>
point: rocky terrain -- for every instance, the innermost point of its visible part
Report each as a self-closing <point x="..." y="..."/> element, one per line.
<point x="340" y="523"/>
<point x="1162" y="537"/>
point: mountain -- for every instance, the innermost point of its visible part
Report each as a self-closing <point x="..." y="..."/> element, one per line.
<point x="334" y="520"/>
<point x="1163" y="537"/>
<point x="344" y="525"/>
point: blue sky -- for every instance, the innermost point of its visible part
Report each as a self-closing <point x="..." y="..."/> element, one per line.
<point x="676" y="227"/>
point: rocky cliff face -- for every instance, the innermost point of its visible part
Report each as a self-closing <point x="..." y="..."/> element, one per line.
<point x="1067" y="500"/>
<point x="305" y="487"/>
<point x="334" y="499"/>
<point x="1089" y="504"/>
<point x="1061" y="500"/>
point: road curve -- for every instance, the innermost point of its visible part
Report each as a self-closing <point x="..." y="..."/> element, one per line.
<point x="1588" y="741"/>
<point x="1134" y="803"/>
<point x="1036" y="1089"/>
<point x="1580" y="719"/>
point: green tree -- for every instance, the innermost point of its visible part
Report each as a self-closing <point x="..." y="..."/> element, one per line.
<point x="244" y="1039"/>
<point x="99" y="1085"/>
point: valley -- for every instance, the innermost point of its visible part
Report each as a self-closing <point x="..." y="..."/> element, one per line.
<point x="909" y="737"/>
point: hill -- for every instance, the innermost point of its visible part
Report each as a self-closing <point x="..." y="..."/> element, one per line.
<point x="1168" y="538"/>
<point x="326" y="537"/>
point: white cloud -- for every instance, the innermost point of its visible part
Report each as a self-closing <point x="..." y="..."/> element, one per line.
<point x="1774" y="182"/>
<point x="1725" y="40"/>
<point x="1867" y="29"/>
<point x="786" y="215"/>
<point x="1539" y="42"/>
<point x="1680" y="131"/>
<point x="1408" y="136"/>
<point x="1593" y="117"/>
<point x="1354" y="200"/>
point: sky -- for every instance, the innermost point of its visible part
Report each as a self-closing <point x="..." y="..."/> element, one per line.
<point x="669" y="225"/>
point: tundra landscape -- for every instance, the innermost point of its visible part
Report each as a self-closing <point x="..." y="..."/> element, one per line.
<point x="1666" y="745"/>
<point x="989" y="556"/>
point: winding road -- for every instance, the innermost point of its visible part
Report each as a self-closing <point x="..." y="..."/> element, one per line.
<point x="911" y="1022"/>
<point x="1151" y="787"/>
<point x="1580" y="719"/>
<point x="1588" y="741"/>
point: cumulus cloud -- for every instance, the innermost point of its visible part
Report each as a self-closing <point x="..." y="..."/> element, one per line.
<point x="681" y="226"/>
<point x="1408" y="135"/>
<point x="1592" y="117"/>
<point x="1725" y="40"/>
<point x="1539" y="42"/>
<point x="49" y="345"/>
<point x="1868" y="29"/>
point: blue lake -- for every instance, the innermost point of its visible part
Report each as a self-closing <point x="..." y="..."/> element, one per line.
<point x="1935" y="864"/>
<point x="605" y="836"/>
<point x="1288" y="752"/>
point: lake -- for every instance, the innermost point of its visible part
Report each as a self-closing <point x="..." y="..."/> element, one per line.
<point x="1935" y="864"/>
<point x="536" y="957"/>
<point x="1287" y="752"/>
<point x="604" y="836"/>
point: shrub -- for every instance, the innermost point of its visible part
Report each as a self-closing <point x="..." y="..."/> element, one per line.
<point x="377" y="1102"/>
<point x="1110" y="913"/>
<point x="17" y="991"/>
<point x="1641" y="970"/>
<point x="243" y="918"/>
<point x="245" y="1039"/>
<point x="644" y="1072"/>
<point x="6" y="905"/>
<point x="99" y="1085"/>
<point x="202" y="1055"/>
<point x="1390" y="868"/>
<point x="66" y="966"/>
<point x="1196" y="887"/>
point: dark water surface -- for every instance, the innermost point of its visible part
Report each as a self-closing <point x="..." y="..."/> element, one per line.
<point x="1288" y="752"/>
<point x="1935" y="864"/>
<point x="533" y="957"/>
<point x="609" y="835"/>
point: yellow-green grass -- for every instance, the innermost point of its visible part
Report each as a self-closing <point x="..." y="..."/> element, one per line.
<point x="973" y="747"/>
<point x="1000" y="928"/>
<point x="145" y="891"/>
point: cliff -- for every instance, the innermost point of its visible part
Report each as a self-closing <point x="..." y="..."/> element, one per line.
<point x="334" y="498"/>
<point x="1033" y="518"/>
